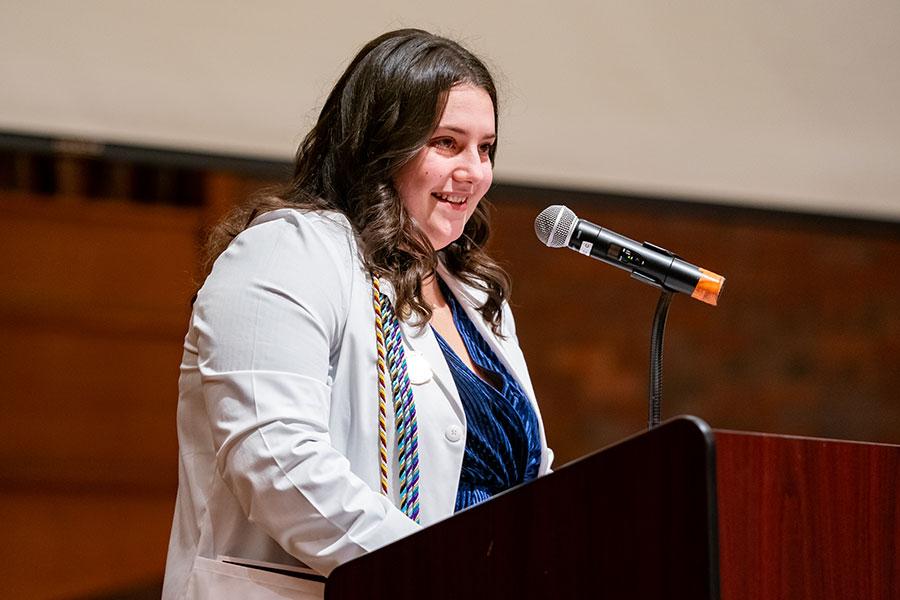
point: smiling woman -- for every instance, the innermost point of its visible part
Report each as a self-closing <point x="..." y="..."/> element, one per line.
<point x="358" y="296"/>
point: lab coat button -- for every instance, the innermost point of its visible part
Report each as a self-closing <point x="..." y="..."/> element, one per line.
<point x="453" y="433"/>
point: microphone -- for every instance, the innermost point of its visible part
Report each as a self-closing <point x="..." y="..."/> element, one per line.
<point x="557" y="226"/>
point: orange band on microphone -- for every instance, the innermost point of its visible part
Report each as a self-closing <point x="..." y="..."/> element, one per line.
<point x="709" y="288"/>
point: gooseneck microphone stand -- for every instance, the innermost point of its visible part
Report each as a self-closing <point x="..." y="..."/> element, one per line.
<point x="656" y="360"/>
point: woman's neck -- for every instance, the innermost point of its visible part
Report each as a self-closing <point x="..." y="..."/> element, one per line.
<point x="432" y="294"/>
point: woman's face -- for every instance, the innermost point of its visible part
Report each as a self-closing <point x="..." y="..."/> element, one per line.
<point x="441" y="186"/>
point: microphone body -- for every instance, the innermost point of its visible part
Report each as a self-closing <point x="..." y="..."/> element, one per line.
<point x="557" y="226"/>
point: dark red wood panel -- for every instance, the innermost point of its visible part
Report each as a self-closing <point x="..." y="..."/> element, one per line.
<point x="807" y="518"/>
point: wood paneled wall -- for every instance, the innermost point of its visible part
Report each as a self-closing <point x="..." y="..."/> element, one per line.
<point x="95" y="300"/>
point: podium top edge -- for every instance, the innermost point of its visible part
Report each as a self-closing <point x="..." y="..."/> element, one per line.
<point x="736" y="432"/>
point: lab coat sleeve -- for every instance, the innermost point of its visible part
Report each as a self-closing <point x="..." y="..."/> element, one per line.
<point x="270" y="319"/>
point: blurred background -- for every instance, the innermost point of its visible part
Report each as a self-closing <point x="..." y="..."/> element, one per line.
<point x="759" y="140"/>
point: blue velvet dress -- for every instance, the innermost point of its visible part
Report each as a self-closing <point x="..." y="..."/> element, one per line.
<point x="503" y="446"/>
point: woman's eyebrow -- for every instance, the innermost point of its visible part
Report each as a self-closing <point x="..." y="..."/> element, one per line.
<point x="463" y="130"/>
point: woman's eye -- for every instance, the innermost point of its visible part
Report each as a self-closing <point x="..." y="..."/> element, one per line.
<point x="443" y="143"/>
<point x="486" y="148"/>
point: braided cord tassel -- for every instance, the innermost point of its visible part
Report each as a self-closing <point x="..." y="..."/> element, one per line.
<point x="382" y="393"/>
<point x="392" y="363"/>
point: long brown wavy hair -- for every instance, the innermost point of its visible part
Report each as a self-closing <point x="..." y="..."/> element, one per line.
<point x="380" y="113"/>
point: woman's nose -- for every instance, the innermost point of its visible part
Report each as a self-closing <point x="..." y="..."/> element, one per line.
<point x="470" y="167"/>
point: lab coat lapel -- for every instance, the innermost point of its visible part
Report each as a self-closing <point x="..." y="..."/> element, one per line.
<point x="422" y="342"/>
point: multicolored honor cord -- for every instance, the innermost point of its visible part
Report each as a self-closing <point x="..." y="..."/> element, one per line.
<point x="392" y="365"/>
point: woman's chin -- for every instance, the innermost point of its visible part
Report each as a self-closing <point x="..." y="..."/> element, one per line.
<point x="441" y="237"/>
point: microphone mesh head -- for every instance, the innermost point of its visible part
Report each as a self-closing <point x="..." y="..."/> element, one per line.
<point x="554" y="226"/>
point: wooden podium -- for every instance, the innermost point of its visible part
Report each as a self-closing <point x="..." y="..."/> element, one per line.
<point x="677" y="512"/>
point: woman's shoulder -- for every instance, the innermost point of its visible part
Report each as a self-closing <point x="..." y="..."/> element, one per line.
<point x="321" y="222"/>
<point x="292" y="242"/>
<point x="321" y="233"/>
<point x="308" y="255"/>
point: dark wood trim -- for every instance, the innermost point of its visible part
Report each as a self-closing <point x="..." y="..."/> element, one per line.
<point x="153" y="155"/>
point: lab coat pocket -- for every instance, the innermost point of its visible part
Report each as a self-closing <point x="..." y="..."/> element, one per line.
<point x="217" y="580"/>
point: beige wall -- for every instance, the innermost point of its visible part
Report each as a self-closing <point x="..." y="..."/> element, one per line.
<point x="774" y="104"/>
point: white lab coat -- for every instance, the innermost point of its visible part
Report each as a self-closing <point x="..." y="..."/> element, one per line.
<point x="278" y="413"/>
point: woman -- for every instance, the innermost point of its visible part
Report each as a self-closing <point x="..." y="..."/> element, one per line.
<point x="351" y="371"/>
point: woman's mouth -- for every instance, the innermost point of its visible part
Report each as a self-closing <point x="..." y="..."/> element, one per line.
<point x="450" y="198"/>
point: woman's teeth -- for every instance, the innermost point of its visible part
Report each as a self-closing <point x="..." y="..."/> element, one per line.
<point x="450" y="199"/>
